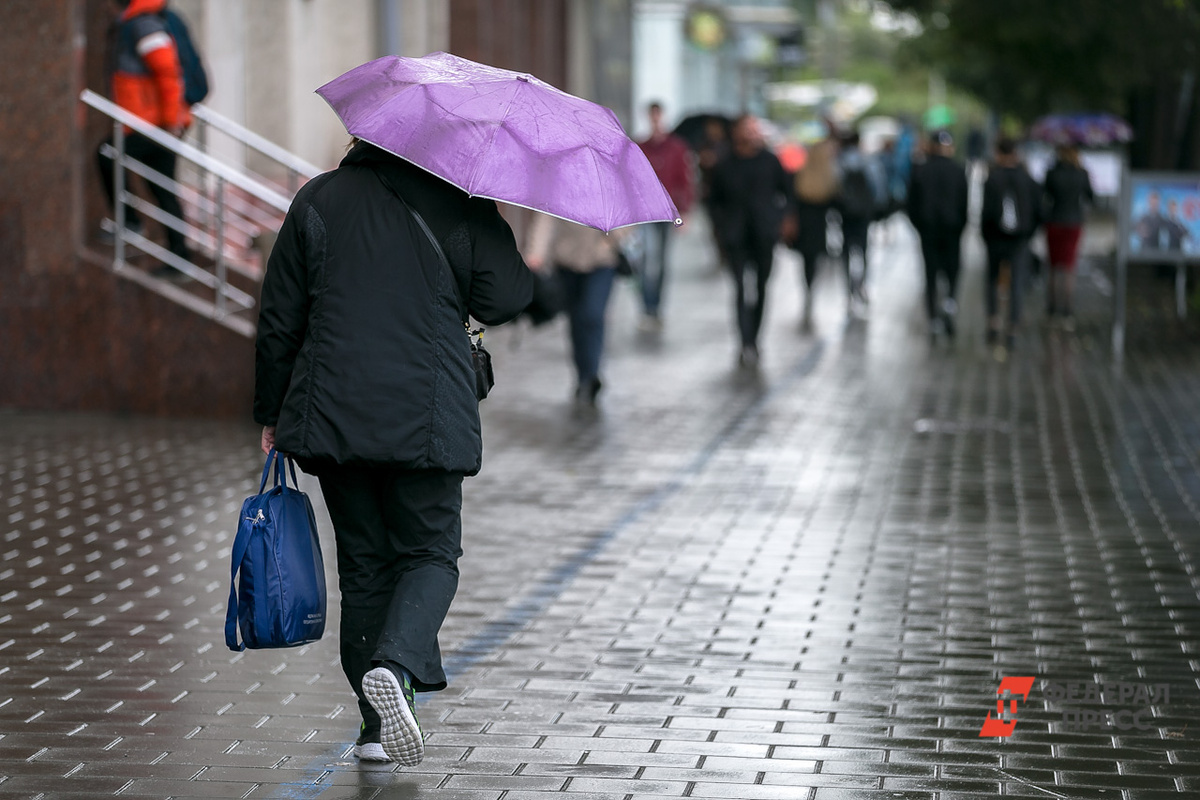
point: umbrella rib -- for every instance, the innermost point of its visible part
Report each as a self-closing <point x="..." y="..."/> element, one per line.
<point x="491" y="140"/>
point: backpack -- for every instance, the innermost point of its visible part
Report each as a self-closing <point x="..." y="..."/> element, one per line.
<point x="195" y="79"/>
<point x="856" y="197"/>
<point x="1010" y="220"/>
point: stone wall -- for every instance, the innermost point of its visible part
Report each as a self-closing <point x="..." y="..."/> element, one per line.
<point x="73" y="336"/>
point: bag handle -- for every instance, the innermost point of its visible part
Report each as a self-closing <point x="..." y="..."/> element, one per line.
<point x="241" y="544"/>
<point x="278" y="459"/>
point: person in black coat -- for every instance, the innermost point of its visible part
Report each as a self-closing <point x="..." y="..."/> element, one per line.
<point x="1008" y="220"/>
<point x="937" y="208"/>
<point x="1067" y="189"/>
<point x="363" y="374"/>
<point x="750" y="194"/>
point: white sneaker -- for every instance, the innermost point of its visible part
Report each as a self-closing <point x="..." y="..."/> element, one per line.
<point x="371" y="751"/>
<point x="400" y="735"/>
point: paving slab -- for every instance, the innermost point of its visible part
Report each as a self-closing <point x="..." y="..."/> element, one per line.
<point x="802" y="582"/>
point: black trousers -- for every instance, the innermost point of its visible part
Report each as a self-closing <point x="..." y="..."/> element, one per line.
<point x="942" y="252"/>
<point x="750" y="262"/>
<point x="856" y="232"/>
<point x="810" y="239"/>
<point x="159" y="159"/>
<point x="1015" y="253"/>
<point x="399" y="538"/>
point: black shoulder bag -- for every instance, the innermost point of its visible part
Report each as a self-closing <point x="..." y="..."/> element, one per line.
<point x="481" y="359"/>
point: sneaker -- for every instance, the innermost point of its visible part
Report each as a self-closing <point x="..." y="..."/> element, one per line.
<point x="392" y="698"/>
<point x="650" y="323"/>
<point x="368" y="747"/>
<point x="586" y="392"/>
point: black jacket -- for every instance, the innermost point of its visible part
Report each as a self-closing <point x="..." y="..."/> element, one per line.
<point x="1018" y="184"/>
<point x="937" y="195"/>
<point x="748" y="198"/>
<point x="1067" y="189"/>
<point x="361" y="355"/>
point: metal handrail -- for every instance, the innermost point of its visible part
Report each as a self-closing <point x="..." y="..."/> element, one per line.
<point x="239" y="205"/>
<point x="181" y="148"/>
<point x="253" y="140"/>
<point x="241" y="222"/>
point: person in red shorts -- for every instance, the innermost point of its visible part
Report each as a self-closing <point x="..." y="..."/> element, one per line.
<point x="1067" y="190"/>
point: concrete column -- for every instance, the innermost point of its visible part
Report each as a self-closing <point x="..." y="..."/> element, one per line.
<point x="658" y="58"/>
<point x="425" y="26"/>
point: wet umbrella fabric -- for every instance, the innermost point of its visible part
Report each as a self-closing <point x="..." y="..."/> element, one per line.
<point x="503" y="135"/>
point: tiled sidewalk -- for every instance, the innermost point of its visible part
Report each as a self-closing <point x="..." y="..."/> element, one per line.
<point x="803" y="584"/>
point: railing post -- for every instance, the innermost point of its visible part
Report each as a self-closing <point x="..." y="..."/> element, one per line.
<point x="119" y="195"/>
<point x="293" y="181"/>
<point x="220" y="254"/>
<point x="202" y="142"/>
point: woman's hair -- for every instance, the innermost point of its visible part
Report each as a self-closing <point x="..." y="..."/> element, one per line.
<point x="1068" y="154"/>
<point x="353" y="141"/>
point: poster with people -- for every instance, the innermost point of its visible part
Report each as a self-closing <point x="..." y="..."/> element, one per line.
<point x="1163" y="216"/>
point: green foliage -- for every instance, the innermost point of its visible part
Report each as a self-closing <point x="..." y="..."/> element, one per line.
<point x="863" y="53"/>
<point x="1029" y="57"/>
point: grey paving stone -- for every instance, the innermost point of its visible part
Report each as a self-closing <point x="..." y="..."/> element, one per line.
<point x="804" y="583"/>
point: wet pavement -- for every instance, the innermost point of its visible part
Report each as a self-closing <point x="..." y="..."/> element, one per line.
<point x="807" y="582"/>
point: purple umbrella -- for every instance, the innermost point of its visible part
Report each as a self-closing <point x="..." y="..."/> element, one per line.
<point x="503" y="135"/>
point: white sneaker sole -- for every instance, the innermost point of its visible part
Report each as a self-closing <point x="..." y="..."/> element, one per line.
<point x="400" y="736"/>
<point x="371" y="751"/>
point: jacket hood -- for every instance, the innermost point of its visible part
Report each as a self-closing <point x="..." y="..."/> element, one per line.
<point x="139" y="7"/>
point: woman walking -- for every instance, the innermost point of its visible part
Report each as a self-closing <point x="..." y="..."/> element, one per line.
<point x="585" y="260"/>
<point x="363" y="374"/>
<point x="816" y="188"/>
<point x="1067" y="190"/>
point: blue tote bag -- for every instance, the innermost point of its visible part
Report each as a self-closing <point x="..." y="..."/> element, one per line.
<point x="277" y="575"/>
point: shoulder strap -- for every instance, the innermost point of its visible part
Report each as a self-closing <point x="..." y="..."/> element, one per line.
<point x="437" y="247"/>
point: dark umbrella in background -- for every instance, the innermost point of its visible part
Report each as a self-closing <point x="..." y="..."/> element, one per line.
<point x="1084" y="130"/>
<point x="693" y="129"/>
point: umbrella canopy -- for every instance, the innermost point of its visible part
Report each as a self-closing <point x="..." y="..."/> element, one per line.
<point x="694" y="129"/>
<point x="1088" y="130"/>
<point x="503" y="135"/>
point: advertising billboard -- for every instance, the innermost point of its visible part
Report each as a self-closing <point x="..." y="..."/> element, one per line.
<point x="1162" y="220"/>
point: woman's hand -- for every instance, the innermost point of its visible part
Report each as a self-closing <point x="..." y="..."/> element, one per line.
<point x="268" y="439"/>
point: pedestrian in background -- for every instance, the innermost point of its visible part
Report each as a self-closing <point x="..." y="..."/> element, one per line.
<point x="146" y="79"/>
<point x="712" y="150"/>
<point x="815" y="188"/>
<point x="1011" y="201"/>
<point x="751" y="193"/>
<point x="861" y="197"/>
<point x="1067" y="189"/>
<point x="364" y="375"/>
<point x="585" y="262"/>
<point x="937" y="208"/>
<point x="672" y="163"/>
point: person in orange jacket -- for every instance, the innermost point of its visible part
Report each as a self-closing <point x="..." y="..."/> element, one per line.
<point x="147" y="80"/>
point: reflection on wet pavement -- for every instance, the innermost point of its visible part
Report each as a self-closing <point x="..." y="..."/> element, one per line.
<point x="806" y="583"/>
